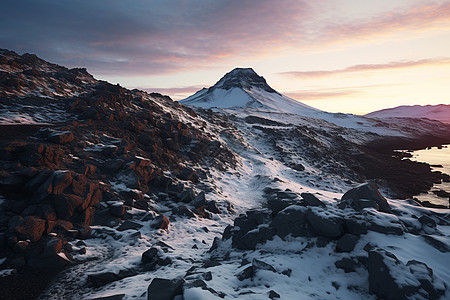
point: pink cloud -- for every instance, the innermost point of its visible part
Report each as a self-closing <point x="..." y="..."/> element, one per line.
<point x="417" y="18"/>
<point x="369" y="67"/>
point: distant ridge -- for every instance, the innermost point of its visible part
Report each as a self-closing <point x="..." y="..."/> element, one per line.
<point x="440" y="112"/>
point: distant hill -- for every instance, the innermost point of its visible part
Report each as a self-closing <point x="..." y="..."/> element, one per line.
<point x="439" y="112"/>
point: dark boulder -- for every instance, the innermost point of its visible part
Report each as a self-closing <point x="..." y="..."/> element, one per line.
<point x="199" y="200"/>
<point x="30" y="228"/>
<point x="150" y="255"/>
<point x="347" y="264"/>
<point x="183" y="211"/>
<point x="129" y="225"/>
<point x="65" y="205"/>
<point x="427" y="221"/>
<point x="364" y="196"/>
<point x="276" y="205"/>
<point x="60" y="137"/>
<point x="212" y="207"/>
<point x="417" y="278"/>
<point x="347" y="243"/>
<point x="249" y="240"/>
<point x="160" y="222"/>
<point x="112" y="297"/>
<point x="355" y="225"/>
<point x="164" y="289"/>
<point x="325" y="224"/>
<point x="250" y="271"/>
<point x="312" y="200"/>
<point x="292" y="220"/>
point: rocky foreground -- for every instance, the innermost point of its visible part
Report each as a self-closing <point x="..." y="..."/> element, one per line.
<point x="107" y="192"/>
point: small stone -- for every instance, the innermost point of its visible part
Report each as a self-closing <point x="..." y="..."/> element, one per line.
<point x="273" y="294"/>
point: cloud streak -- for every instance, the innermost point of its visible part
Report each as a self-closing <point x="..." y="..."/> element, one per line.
<point x="369" y="67"/>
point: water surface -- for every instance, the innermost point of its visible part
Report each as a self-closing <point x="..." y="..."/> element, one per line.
<point x="434" y="157"/>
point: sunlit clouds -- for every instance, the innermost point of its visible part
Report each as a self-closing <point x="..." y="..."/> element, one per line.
<point x="340" y="55"/>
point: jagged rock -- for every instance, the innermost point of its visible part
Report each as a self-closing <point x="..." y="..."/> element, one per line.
<point x="101" y="279"/>
<point x="250" y="271"/>
<point x="188" y="174"/>
<point x="292" y="220"/>
<point x="312" y="200"/>
<point x="199" y="200"/>
<point x="325" y="225"/>
<point x="246" y="273"/>
<point x="65" y="205"/>
<point x="426" y="220"/>
<point x="47" y="254"/>
<point x="347" y="243"/>
<point x="193" y="284"/>
<point x="150" y="255"/>
<point x="361" y="197"/>
<point x="261" y="265"/>
<point x="387" y="228"/>
<point x="355" y="225"/>
<point x="112" y="297"/>
<point x="161" y="222"/>
<point x="55" y="184"/>
<point x="440" y="244"/>
<point x="276" y="205"/>
<point x="117" y="210"/>
<point x="273" y="295"/>
<point x="416" y="278"/>
<point x="347" y="264"/>
<point x="164" y="289"/>
<point x="60" y="137"/>
<point x="212" y="207"/>
<point x="249" y="240"/>
<point x="183" y="211"/>
<point x="186" y="196"/>
<point x="30" y="228"/>
<point x="129" y="225"/>
<point x="207" y="276"/>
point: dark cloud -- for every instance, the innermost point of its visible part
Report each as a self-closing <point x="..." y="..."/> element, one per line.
<point x="145" y="37"/>
<point x="369" y="67"/>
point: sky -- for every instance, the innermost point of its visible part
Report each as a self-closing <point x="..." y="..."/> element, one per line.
<point x="352" y="56"/>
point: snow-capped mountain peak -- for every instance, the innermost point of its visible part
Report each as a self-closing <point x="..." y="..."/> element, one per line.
<point x="244" y="78"/>
<point x="244" y="88"/>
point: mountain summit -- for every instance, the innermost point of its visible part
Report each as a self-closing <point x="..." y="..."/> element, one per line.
<point x="244" y="78"/>
<point x="243" y="88"/>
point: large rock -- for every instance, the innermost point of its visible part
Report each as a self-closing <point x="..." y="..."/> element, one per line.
<point x="65" y="205"/>
<point x="312" y="200"/>
<point x="364" y="196"/>
<point x="347" y="243"/>
<point x="164" y="289"/>
<point x="249" y="240"/>
<point x="30" y="228"/>
<point x="251" y="271"/>
<point x="161" y="222"/>
<point x="292" y="220"/>
<point x="60" y="137"/>
<point x="325" y="224"/>
<point x="390" y="279"/>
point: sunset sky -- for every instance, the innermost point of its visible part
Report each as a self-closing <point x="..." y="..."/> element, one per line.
<point x="353" y="56"/>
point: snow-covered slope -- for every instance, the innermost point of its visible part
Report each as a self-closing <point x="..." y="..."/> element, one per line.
<point x="439" y="112"/>
<point x="242" y="92"/>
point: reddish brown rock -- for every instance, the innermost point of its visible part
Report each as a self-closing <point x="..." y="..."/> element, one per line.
<point x="65" y="205"/>
<point x="30" y="228"/>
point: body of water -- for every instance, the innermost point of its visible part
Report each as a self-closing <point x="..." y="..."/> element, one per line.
<point x="435" y="157"/>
